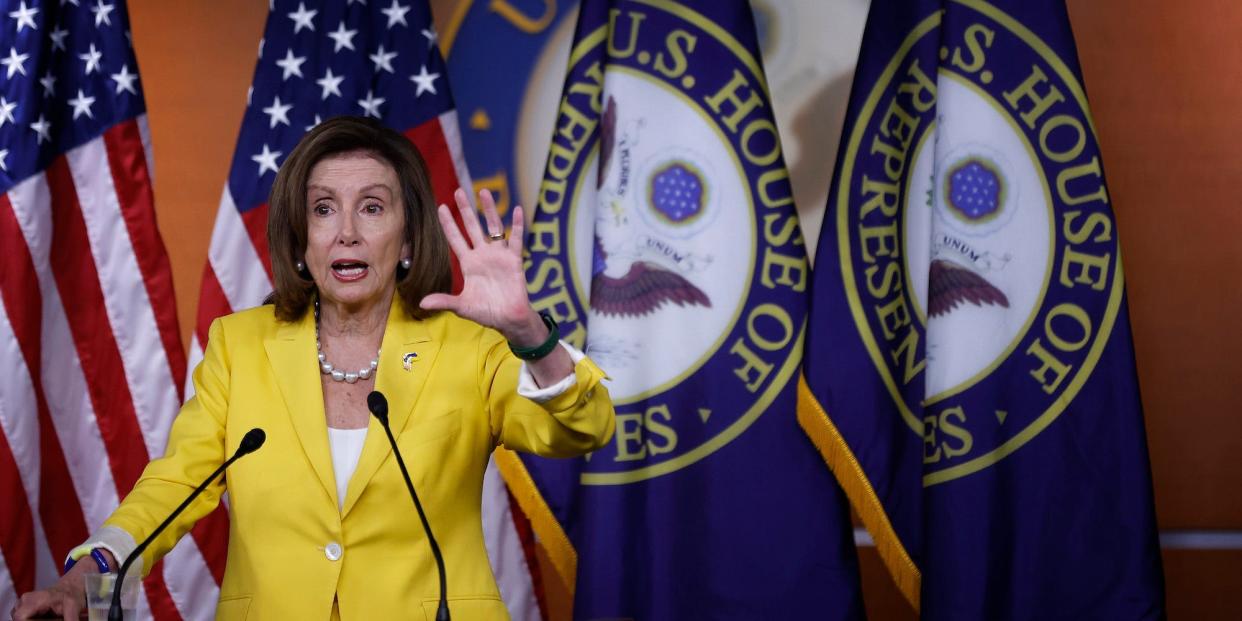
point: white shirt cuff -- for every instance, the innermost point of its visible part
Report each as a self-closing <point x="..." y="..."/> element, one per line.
<point x="115" y="540"/>
<point x="531" y="390"/>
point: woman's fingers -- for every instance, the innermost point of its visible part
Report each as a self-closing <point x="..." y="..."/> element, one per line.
<point x="439" y="301"/>
<point x="470" y="220"/>
<point x="451" y="232"/>
<point x="494" y="225"/>
<point x="517" y="233"/>
<point x="37" y="603"/>
<point x="70" y="608"/>
<point x="469" y="217"/>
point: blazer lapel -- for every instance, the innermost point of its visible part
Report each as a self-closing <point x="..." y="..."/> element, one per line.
<point x="406" y="358"/>
<point x="292" y="355"/>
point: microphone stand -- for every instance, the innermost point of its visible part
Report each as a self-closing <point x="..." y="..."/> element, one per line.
<point x="249" y="444"/>
<point x="378" y="404"/>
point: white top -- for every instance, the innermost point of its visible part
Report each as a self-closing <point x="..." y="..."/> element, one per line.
<point x="346" y="448"/>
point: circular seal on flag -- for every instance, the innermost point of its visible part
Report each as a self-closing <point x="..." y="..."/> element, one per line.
<point x="976" y="240"/>
<point x="666" y="206"/>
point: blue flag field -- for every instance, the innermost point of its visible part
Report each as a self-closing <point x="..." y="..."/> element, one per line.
<point x="969" y="373"/>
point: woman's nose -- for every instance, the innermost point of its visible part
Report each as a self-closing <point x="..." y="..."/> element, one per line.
<point x="348" y="234"/>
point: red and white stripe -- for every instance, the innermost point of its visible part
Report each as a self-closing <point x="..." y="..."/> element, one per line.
<point x="238" y="276"/>
<point x="89" y="337"/>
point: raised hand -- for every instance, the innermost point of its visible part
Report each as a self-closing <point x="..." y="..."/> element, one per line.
<point x="493" y="284"/>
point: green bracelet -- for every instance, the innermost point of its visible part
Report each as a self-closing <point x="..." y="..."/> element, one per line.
<point x="543" y="349"/>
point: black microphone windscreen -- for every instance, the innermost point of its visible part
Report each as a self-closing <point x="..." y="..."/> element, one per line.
<point x="252" y="441"/>
<point x="378" y="404"/>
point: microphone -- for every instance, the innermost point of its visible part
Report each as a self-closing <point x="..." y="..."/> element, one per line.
<point x="249" y="444"/>
<point x="378" y="404"/>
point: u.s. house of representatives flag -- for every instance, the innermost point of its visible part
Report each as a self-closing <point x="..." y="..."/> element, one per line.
<point x="88" y="325"/>
<point x="666" y="243"/>
<point x="320" y="59"/>
<point x="969" y="372"/>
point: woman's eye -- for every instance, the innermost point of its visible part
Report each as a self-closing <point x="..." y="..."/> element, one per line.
<point x="372" y="208"/>
<point x="322" y="209"/>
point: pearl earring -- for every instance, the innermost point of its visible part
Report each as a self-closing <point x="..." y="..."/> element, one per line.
<point x="300" y="267"/>
<point x="406" y="263"/>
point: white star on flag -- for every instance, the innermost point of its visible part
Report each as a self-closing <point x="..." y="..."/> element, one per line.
<point x="302" y="18"/>
<point x="343" y="38"/>
<point x="4" y="155"/>
<point x="396" y="14"/>
<point x="58" y="38"/>
<point x="43" y="128"/>
<point x="101" y="12"/>
<point x="24" y="17"/>
<point x="424" y="81"/>
<point x="277" y="113"/>
<point x="383" y="60"/>
<point x="267" y="160"/>
<point x="431" y="35"/>
<point x="125" y="80"/>
<point x="292" y="65"/>
<point x="6" y="111"/>
<point x="49" y="84"/>
<point x="370" y="105"/>
<point x="16" y="63"/>
<point x="82" y="105"/>
<point x="317" y="122"/>
<point x="92" y="59"/>
<point x="331" y="84"/>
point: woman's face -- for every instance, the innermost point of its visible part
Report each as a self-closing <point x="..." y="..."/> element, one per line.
<point x="355" y="229"/>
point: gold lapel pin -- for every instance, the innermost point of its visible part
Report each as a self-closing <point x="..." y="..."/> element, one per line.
<point x="407" y="360"/>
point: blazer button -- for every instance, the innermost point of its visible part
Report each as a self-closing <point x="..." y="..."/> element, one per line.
<point x="333" y="551"/>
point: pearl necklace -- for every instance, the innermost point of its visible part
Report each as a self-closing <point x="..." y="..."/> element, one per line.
<point x="337" y="375"/>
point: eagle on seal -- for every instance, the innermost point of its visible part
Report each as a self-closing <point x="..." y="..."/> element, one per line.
<point x="644" y="288"/>
<point x="949" y="285"/>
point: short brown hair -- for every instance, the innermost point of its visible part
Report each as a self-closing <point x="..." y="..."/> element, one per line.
<point x="431" y="271"/>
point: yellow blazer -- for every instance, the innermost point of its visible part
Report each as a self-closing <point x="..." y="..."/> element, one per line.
<point x="455" y="402"/>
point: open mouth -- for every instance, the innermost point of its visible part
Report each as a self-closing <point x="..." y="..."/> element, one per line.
<point x="349" y="269"/>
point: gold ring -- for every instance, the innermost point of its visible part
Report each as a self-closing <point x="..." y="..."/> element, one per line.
<point x="495" y="236"/>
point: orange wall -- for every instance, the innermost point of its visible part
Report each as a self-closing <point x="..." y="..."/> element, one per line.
<point x="196" y="59"/>
<point x="1163" y="82"/>
<point x="1162" y="77"/>
<point x="1164" y="87"/>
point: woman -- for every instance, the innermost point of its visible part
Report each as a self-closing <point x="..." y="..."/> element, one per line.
<point x="321" y="525"/>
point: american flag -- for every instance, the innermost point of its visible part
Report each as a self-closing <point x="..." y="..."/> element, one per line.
<point x="377" y="58"/>
<point x="89" y="342"/>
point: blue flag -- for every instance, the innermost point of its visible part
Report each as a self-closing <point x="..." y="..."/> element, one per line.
<point x="667" y="245"/>
<point x="969" y="374"/>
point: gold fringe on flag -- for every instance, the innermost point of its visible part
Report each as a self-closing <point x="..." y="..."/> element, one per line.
<point x="815" y="422"/>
